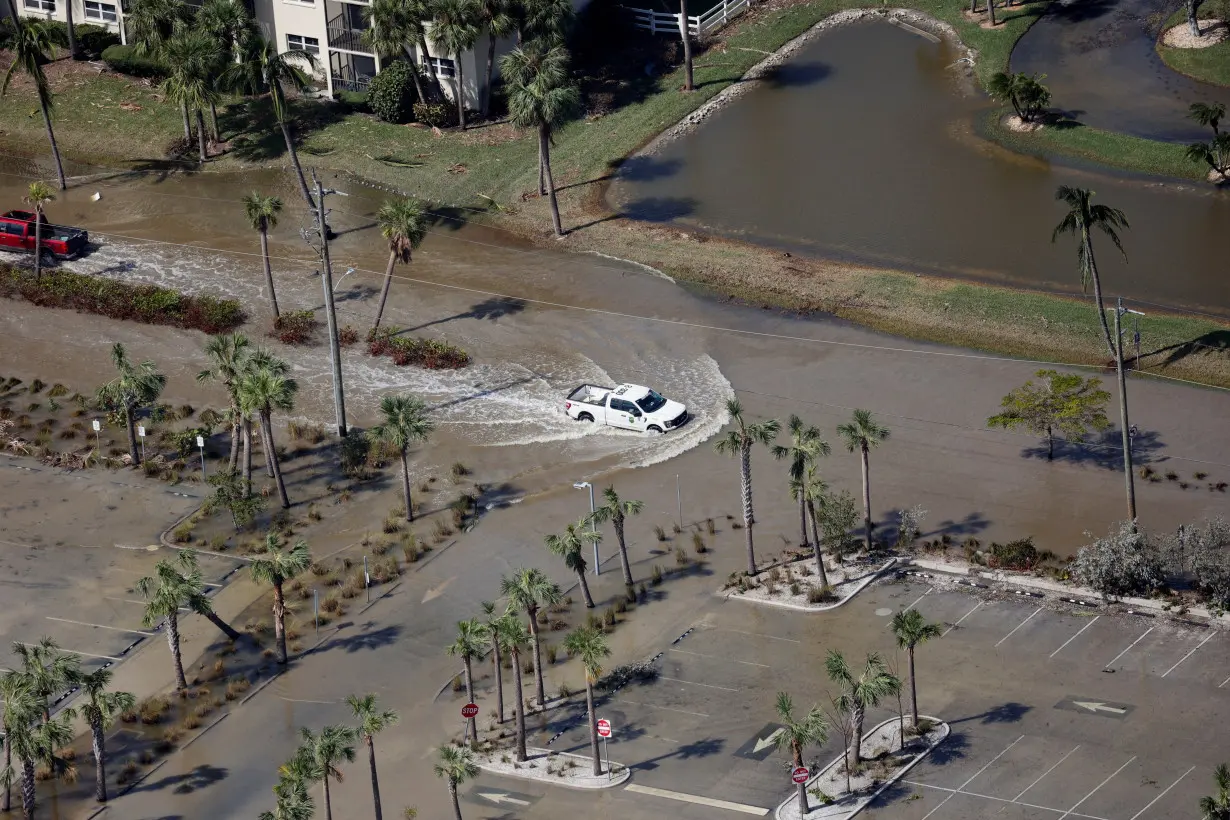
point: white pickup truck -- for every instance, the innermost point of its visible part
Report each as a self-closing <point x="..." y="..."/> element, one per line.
<point x="629" y="407"/>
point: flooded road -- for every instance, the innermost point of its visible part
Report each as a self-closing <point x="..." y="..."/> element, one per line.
<point x="865" y="148"/>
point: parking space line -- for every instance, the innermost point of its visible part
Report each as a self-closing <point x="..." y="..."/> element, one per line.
<point x="1018" y="626"/>
<point x="1001" y="800"/>
<point x="1163" y="794"/>
<point x="701" y="801"/>
<point x="1044" y="774"/>
<point x="666" y="708"/>
<point x="975" y="775"/>
<point x="756" y="634"/>
<point x="73" y="652"/>
<point x="963" y="617"/>
<point x="694" y="683"/>
<point x="1129" y="649"/>
<point x="138" y="603"/>
<point x="1077" y="635"/>
<point x="717" y="658"/>
<point x="1068" y="813"/>
<point x="920" y="597"/>
<point x="101" y="626"/>
<point x="1189" y="654"/>
<point x="1223" y="683"/>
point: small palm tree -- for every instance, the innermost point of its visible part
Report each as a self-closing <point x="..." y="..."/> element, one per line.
<point x="38" y="744"/>
<point x="323" y="752"/>
<point x="391" y="28"/>
<point x="101" y="709"/>
<point x="806" y="445"/>
<point x="911" y="629"/>
<point x="588" y="645"/>
<point x="1217" y="807"/>
<point x="862" y="434"/>
<point x="227" y="354"/>
<point x="372" y="721"/>
<point x="193" y="591"/>
<point x="263" y="388"/>
<point x="263" y="213"/>
<point x="616" y="510"/>
<point x="859" y="694"/>
<point x="1080" y="220"/>
<point x="47" y="670"/>
<point x="136" y="386"/>
<point x="291" y="804"/>
<point x="739" y="442"/>
<point x="17" y="699"/>
<point x="1209" y="115"/>
<point x="454" y="30"/>
<point x="571" y="547"/>
<point x="37" y="197"/>
<point x="497" y="625"/>
<point x="809" y="489"/>
<point x="472" y="638"/>
<point x="527" y="590"/>
<point x="403" y="224"/>
<point x="797" y="734"/>
<point x="456" y="766"/>
<point x="496" y="20"/>
<point x="403" y="423"/>
<point x="151" y="23"/>
<point x="192" y="56"/>
<point x="30" y="45"/>
<point x="513" y="639"/>
<point x="275" y="566"/>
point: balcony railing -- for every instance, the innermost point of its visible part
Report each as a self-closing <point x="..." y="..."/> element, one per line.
<point x="347" y="38"/>
<point x="342" y="84"/>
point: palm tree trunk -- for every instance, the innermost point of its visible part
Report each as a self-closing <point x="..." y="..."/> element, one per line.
<point x="177" y="658"/>
<point x="273" y="462"/>
<point x="461" y="95"/>
<point x="294" y="161"/>
<point x="801" y="788"/>
<point x="687" y="45"/>
<point x="405" y="484"/>
<point x="909" y="653"/>
<point x="486" y="103"/>
<point x="236" y="433"/>
<point x="1050" y="444"/>
<point x="73" y="49"/>
<point x="55" y="149"/>
<point x="499" y="678"/>
<point x="973" y="6"/>
<point x="213" y="121"/>
<point x="328" y="799"/>
<point x="273" y="294"/>
<point x="28" y="793"/>
<point x="542" y="173"/>
<point x="267" y="451"/>
<point x="544" y="149"/>
<point x="222" y="625"/>
<point x="418" y="80"/>
<point x="623" y="552"/>
<point x="131" y="424"/>
<point x="371" y="760"/>
<point x="991" y="10"/>
<point x="452" y="790"/>
<point x="856" y="745"/>
<point x="471" y="726"/>
<point x="1097" y="292"/>
<point x="431" y="67"/>
<point x="38" y="244"/>
<point x="866" y="497"/>
<point x="821" y="573"/>
<point x="279" y="631"/>
<point x="99" y="740"/>
<point x="247" y="457"/>
<point x="593" y="726"/>
<point x="183" y="109"/>
<point x="803" y="521"/>
<point x="745" y="475"/>
<point x="589" y="599"/>
<point x="539" y="690"/>
<point x="1192" y="22"/>
<point x="384" y="291"/>
<point x="200" y="136"/>
<point x="519" y="706"/>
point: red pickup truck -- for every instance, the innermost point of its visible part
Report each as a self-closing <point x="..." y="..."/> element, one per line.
<point x="17" y="233"/>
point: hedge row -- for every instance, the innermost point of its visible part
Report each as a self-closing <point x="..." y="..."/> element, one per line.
<point x="404" y="350"/>
<point x="150" y="304"/>
<point x="126" y="60"/>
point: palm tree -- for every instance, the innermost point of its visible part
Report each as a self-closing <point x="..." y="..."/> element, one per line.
<point x="37" y="196"/>
<point x="454" y="30"/>
<point x="805" y="446"/>
<point x="263" y="388"/>
<point x="796" y="734"/>
<point x="263" y="213"/>
<point x="136" y="386"/>
<point x="739" y="442"/>
<point x="863" y="433"/>
<point x="29" y="42"/>
<point x="456" y="766"/>
<point x="275" y="566"/>
<point x="151" y="23"/>
<point x="1207" y="114"/>
<point x="541" y="96"/>
<point x="1080" y="220"/>
<point x="228" y="23"/>
<point x="403" y="224"/>
<point x="860" y="693"/>
<point x="544" y="21"/>
<point x="571" y="547"/>
<point x="809" y="489"/>
<point x="192" y="56"/>
<point x="391" y="28"/>
<point x="911" y="630"/>
<point x="616" y="510"/>
<point x="496" y="626"/>
<point x="259" y="359"/>
<point x="323" y="752"/>
<point x="497" y="21"/>
<point x="527" y="590"/>
<point x="47" y="670"/>
<point x="100" y="711"/>
<point x="588" y="645"/>
<point x="1218" y="808"/>
<point x="227" y="354"/>
<point x="292" y="804"/>
<point x="472" y="637"/>
<point x="36" y="744"/>
<point x="372" y="721"/>
<point x="192" y="585"/>
<point x="513" y="639"/>
<point x="404" y="423"/>
<point x="18" y="700"/>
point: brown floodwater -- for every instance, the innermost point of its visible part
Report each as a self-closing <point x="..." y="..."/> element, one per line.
<point x="865" y="147"/>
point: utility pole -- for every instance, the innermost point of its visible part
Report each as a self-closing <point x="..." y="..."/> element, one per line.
<point x="326" y="280"/>
<point x="1128" y="476"/>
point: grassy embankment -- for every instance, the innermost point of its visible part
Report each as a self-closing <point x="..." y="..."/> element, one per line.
<point x="1212" y="64"/>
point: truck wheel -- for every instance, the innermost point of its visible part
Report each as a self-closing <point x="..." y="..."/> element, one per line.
<point x="48" y="259"/>
<point x="585" y="417"/>
<point x="653" y="428"/>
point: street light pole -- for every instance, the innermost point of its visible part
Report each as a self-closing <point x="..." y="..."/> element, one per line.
<point x="1125" y="427"/>
<point x="335" y="353"/>
<point x="585" y="485"/>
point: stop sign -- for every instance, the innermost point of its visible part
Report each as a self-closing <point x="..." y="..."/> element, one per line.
<point x="604" y="728"/>
<point x="799" y="775"/>
<point x="469" y="710"/>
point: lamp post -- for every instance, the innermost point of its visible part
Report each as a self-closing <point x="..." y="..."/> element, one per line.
<point x="200" y="442"/>
<point x="1127" y="429"/>
<point x="585" y="485"/>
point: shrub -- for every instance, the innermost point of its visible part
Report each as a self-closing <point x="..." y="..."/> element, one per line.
<point x="659" y="533"/>
<point x="125" y="60"/>
<point x="681" y="557"/>
<point x="655" y="576"/>
<point x="436" y="114"/>
<point x="551" y="651"/>
<point x="347" y="335"/>
<point x="820" y="595"/>
<point x="1125" y="562"/>
<point x="698" y="543"/>
<point x="296" y="327"/>
<point x="96" y="40"/>
<point x="427" y="353"/>
<point x="391" y="95"/>
<point x="1018" y="555"/>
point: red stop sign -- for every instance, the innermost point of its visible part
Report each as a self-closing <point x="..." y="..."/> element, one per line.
<point x="469" y="710"/>
<point x="799" y="775"/>
<point x="604" y="728"/>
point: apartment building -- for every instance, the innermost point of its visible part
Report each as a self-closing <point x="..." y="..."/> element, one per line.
<point x="109" y="15"/>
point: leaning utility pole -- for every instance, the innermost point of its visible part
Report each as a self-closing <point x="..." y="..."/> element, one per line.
<point x="1129" y="478"/>
<point x="326" y="280"/>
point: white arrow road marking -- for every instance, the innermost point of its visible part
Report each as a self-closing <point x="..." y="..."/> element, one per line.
<point x="1094" y="706"/>
<point x="501" y="797"/>
<point x="764" y="743"/>
<point x="437" y="591"/>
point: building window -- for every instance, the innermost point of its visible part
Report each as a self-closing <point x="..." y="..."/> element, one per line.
<point x="100" y="11"/>
<point x="40" y="5"/>
<point x="297" y="42"/>
<point x="444" y="66"/>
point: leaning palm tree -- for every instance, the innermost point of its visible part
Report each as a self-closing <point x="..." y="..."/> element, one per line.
<point x="47" y="670"/>
<point x="263" y="213"/>
<point x="911" y="629"/>
<point x="371" y="722"/>
<point x="275" y="566"/>
<point x="496" y="20"/>
<point x="17" y="699"/>
<point x="472" y="638"/>
<point x="101" y="709"/>
<point x="37" y="745"/>
<point x="136" y="386"/>
<point x="571" y="547"/>
<point x="391" y="29"/>
<point x="1217" y="807"/>
<point x="454" y="30"/>
<point x="1080" y="220"/>
<point x="176" y="584"/>
<point x="37" y="197"/>
<point x="798" y="733"/>
<point x="862" y="433"/>
<point x="403" y="423"/>
<point x="739" y="441"/>
<point x="859" y="694"/>
<point x="403" y="224"/>
<point x="227" y="354"/>
<point x="262" y="389"/>
<point x="513" y="638"/>
<point x="497" y="625"/>
<point x="806" y="445"/>
<point x="192" y="583"/>
<point x="1209" y="115"/>
<point x="541" y="96"/>
<point x="456" y="766"/>
<point x="324" y="752"/>
<point x="616" y="510"/>
<point x="30" y="45"/>
<point x="588" y="645"/>
<point x="809" y="489"/>
<point x="527" y="590"/>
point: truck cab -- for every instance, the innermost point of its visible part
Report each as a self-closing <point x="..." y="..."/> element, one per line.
<point x="18" y="232"/>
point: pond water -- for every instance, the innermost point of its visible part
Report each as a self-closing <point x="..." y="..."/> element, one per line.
<point x="865" y="147"/>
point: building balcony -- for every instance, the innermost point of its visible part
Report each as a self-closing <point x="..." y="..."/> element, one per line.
<point x="342" y="84"/>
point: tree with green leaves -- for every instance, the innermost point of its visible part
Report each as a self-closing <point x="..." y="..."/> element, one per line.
<point x="1066" y="402"/>
<point x="806" y="445"/>
<point x="528" y="590"/>
<point x="588" y="645"/>
<point x="456" y="766"/>
<point x="797" y="733"/>
<point x="38" y="744"/>
<point x="1026" y="93"/>
<point x="547" y="22"/>
<point x="810" y="490"/>
<point x="136" y="386"/>
<point x="472" y="637"/>
<point x="739" y="442"/>
<point x="571" y="547"/>
<point x="862" y="434"/>
<point x="233" y="493"/>
<point x="454" y="30"/>
<point x="911" y="629"/>
<point x="391" y="29"/>
<point x="37" y="196"/>
<point x="262" y="212"/>
<point x="859" y="693"/>
<point x="151" y="23"/>
<point x="228" y="23"/>
<point x="293" y="802"/>
<point x="616" y="510"/>
<point x="1209" y="115"/>
<point x="17" y="698"/>
<point x="837" y="515"/>
<point x="192" y="57"/>
<point x="101" y="709"/>
<point x="1217" y="807"/>
<point x="48" y="670"/>
<point x="323" y="753"/>
<point x="275" y="566"/>
<point x="513" y="639"/>
<point x="1215" y="153"/>
<point x="541" y="96"/>
<point x="261" y="389"/>
<point x="371" y="721"/>
<point x="403" y="224"/>
<point x="227" y="354"/>
<point x="1080" y="221"/>
<point x="30" y="46"/>
<point x="403" y="423"/>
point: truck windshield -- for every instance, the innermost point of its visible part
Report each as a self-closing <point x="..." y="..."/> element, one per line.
<point x="651" y="402"/>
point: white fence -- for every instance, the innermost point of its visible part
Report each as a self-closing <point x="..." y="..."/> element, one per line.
<point x="716" y="17"/>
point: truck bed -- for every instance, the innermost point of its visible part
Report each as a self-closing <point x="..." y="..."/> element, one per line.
<point x="590" y="394"/>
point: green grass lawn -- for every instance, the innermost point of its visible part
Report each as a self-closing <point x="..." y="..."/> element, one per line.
<point x="1212" y="64"/>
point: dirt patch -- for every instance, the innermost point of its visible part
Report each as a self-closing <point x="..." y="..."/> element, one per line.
<point x="1212" y="32"/>
<point x="1015" y="123"/>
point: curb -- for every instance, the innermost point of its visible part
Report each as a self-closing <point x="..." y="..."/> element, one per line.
<point x="618" y="780"/>
<point x="862" y="584"/>
<point x="206" y="729"/>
